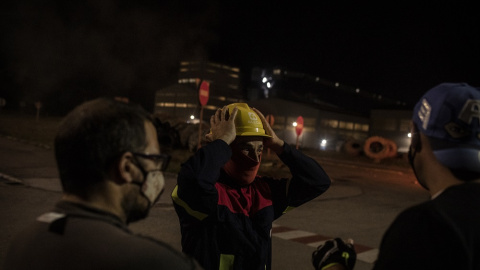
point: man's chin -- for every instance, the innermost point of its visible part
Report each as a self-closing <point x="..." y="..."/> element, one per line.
<point x="137" y="215"/>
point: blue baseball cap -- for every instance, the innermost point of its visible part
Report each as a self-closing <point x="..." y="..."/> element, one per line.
<point x="450" y="114"/>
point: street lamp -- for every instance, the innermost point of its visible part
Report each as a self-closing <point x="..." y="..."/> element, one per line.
<point x="323" y="144"/>
<point x="267" y="84"/>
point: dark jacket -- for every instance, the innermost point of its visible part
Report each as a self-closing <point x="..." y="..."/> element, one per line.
<point x="443" y="233"/>
<point x="225" y="225"/>
<point x="73" y="237"/>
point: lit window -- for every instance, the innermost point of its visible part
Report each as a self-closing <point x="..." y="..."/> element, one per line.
<point x="405" y="124"/>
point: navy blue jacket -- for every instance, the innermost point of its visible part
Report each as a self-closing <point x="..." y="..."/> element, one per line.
<point x="226" y="226"/>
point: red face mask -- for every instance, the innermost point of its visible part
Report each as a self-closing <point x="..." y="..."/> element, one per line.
<point x="241" y="167"/>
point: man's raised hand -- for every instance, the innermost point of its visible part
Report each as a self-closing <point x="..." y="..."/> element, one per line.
<point x="222" y="125"/>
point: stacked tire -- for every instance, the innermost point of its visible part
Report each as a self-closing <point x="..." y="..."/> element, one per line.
<point x="352" y="147"/>
<point x="379" y="148"/>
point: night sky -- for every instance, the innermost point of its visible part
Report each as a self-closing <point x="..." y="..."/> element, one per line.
<point x="61" y="51"/>
<point x="397" y="50"/>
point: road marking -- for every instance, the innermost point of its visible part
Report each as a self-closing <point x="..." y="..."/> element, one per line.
<point x="11" y="179"/>
<point x="294" y="234"/>
<point x="364" y="253"/>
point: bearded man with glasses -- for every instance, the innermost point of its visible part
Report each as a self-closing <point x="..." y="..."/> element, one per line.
<point x="111" y="170"/>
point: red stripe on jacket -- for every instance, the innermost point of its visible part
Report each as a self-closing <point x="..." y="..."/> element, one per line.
<point x="246" y="200"/>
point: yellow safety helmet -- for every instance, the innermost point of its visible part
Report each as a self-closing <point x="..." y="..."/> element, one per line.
<point x="247" y="122"/>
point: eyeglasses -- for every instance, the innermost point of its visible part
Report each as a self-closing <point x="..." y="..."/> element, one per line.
<point x="161" y="161"/>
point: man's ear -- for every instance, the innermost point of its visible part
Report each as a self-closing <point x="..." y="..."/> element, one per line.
<point x="124" y="170"/>
<point x="416" y="142"/>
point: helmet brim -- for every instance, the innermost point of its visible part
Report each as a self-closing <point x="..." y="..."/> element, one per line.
<point x="251" y="134"/>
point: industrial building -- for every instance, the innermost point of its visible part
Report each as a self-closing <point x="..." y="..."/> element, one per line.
<point x="333" y="113"/>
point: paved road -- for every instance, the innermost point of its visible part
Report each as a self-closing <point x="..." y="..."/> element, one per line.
<point x="361" y="203"/>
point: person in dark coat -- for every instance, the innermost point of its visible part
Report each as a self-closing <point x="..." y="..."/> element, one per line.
<point x="224" y="207"/>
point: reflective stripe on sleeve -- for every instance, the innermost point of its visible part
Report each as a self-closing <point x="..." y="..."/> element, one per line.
<point x="288" y="209"/>
<point x="226" y="261"/>
<point x="198" y="215"/>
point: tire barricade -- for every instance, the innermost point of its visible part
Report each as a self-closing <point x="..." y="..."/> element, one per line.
<point x="353" y="147"/>
<point x="379" y="148"/>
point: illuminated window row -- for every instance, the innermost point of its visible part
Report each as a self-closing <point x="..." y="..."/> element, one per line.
<point x="189" y="69"/>
<point x="223" y="67"/>
<point x="194" y="80"/>
<point x="184" y="105"/>
<point x="344" y="125"/>
<point x="187" y="80"/>
<point x="175" y="105"/>
<point x="232" y="86"/>
<point x="188" y="63"/>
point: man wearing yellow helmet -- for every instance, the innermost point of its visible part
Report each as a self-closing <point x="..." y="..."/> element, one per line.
<point x="225" y="209"/>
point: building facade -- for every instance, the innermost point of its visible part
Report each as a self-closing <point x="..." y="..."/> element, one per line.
<point x="394" y="125"/>
<point x="181" y="101"/>
<point x="333" y="113"/>
<point x="322" y="129"/>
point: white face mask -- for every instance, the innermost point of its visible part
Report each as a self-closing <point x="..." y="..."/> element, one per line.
<point x="153" y="186"/>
